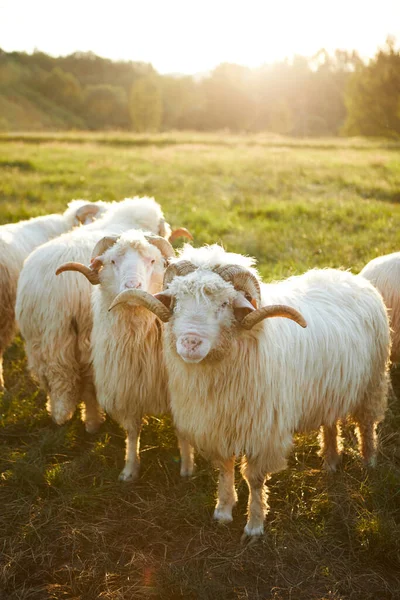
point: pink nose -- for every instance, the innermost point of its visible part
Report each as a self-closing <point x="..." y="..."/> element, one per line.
<point x="133" y="285"/>
<point x="191" y="343"/>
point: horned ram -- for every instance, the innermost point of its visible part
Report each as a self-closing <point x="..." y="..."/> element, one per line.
<point x="242" y="383"/>
<point x="129" y="371"/>
<point x="54" y="314"/>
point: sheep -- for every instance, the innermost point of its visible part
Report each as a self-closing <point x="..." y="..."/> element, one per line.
<point x="240" y="384"/>
<point x="17" y="240"/>
<point x="54" y="313"/>
<point x="384" y="273"/>
<point x="129" y="374"/>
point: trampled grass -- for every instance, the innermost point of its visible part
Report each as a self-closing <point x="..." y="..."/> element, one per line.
<point x="69" y="529"/>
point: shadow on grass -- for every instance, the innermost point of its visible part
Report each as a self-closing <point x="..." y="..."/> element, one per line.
<point x="21" y="165"/>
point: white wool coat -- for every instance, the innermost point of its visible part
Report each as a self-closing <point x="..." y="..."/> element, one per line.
<point x="279" y="378"/>
<point x="384" y="273"/>
<point x="54" y="313"/>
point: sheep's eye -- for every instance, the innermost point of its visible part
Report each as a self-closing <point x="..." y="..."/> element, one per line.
<point x="113" y="262"/>
<point x="153" y="261"/>
<point x="224" y="304"/>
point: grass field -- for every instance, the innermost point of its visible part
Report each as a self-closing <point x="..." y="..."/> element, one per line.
<point x="69" y="529"/>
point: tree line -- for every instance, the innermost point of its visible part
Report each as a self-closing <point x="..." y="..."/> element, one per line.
<point x="327" y="94"/>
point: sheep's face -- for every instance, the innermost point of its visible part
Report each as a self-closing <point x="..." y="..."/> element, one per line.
<point x="132" y="266"/>
<point x="203" y="323"/>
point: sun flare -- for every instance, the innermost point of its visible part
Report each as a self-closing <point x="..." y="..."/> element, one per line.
<point x="193" y="37"/>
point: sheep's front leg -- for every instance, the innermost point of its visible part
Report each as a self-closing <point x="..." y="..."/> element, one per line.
<point x="227" y="496"/>
<point x="132" y="460"/>
<point x="187" y="458"/>
<point x="257" y="508"/>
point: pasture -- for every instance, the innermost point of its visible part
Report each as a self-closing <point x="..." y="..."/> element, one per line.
<point x="69" y="529"/>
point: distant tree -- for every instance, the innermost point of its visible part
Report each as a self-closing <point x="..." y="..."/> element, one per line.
<point x="373" y="96"/>
<point x="280" y="118"/>
<point x="90" y="69"/>
<point x="63" y="88"/>
<point x="4" y="125"/>
<point x="302" y="96"/>
<point x="179" y="97"/>
<point x="326" y="109"/>
<point x="10" y="73"/>
<point x="105" y="106"/>
<point x="229" y="98"/>
<point x="145" y="104"/>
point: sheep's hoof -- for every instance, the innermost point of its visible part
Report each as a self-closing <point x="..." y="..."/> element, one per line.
<point x="223" y="515"/>
<point x="60" y="418"/>
<point x="370" y="463"/>
<point x="187" y="471"/>
<point x="93" y="426"/>
<point x="331" y="465"/>
<point x="252" y="532"/>
<point x="127" y="476"/>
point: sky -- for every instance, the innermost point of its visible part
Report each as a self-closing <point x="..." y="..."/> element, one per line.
<point x="192" y="36"/>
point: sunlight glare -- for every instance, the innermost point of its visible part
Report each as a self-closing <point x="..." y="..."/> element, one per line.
<point x="192" y="37"/>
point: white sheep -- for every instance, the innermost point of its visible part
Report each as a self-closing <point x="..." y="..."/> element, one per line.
<point x="54" y="313"/>
<point x="129" y="371"/>
<point x="242" y="385"/>
<point x="384" y="273"/>
<point x="17" y="240"/>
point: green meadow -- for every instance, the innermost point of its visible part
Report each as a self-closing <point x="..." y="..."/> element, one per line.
<point x="69" y="529"/>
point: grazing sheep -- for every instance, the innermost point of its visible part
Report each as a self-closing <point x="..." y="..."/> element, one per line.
<point x="384" y="273"/>
<point x="129" y="372"/>
<point x="54" y="313"/>
<point x="17" y="240"/>
<point x="241" y="384"/>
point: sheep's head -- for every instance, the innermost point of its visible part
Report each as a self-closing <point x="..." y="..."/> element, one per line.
<point x="207" y="308"/>
<point x="136" y="260"/>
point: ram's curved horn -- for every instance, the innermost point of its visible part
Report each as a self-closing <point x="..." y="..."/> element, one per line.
<point x="141" y="298"/>
<point x="104" y="244"/>
<point x="91" y="275"/>
<point x="180" y="232"/>
<point x="87" y="211"/>
<point x="162" y="244"/>
<point x="178" y="269"/>
<point x="274" y="310"/>
<point x="241" y="278"/>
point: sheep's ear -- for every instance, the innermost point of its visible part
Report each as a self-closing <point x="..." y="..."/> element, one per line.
<point x="243" y="306"/>
<point x="87" y="213"/>
<point x="166" y="298"/>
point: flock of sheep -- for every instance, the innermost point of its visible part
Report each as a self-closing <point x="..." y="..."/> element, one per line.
<point x="130" y="328"/>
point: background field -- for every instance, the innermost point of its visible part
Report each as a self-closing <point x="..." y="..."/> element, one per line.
<point x="69" y="529"/>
